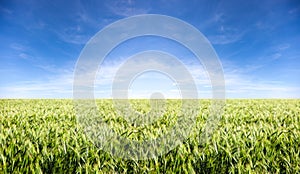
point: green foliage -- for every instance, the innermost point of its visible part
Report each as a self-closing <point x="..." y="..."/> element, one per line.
<point x="253" y="136"/>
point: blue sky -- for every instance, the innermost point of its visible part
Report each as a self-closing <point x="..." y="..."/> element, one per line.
<point x="256" y="41"/>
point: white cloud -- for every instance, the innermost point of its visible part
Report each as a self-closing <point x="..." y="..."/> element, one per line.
<point x="125" y="8"/>
<point x="58" y="85"/>
<point x="294" y="10"/>
<point x="238" y="84"/>
<point x="282" y="47"/>
<point x="71" y="35"/>
<point x="225" y="38"/>
<point x="53" y="88"/>
<point x="5" y="11"/>
<point x="275" y="56"/>
<point x="23" y="56"/>
<point x="18" y="47"/>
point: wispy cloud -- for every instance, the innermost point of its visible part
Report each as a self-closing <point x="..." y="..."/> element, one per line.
<point x="5" y="10"/>
<point x="56" y="86"/>
<point x="294" y="10"/>
<point x="284" y="46"/>
<point x="126" y="8"/>
<point x="275" y="56"/>
<point x="276" y="52"/>
<point x="226" y="36"/>
<point x="24" y="56"/>
<point x="224" y="31"/>
<point x="73" y="35"/>
<point x="57" y="83"/>
<point x="18" y="47"/>
<point x="53" y="88"/>
<point x="22" y="51"/>
<point x="238" y="85"/>
<point x="259" y="89"/>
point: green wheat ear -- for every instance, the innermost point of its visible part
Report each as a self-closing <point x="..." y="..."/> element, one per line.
<point x="253" y="136"/>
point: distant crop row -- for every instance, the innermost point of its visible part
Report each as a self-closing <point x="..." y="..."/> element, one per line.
<point x="43" y="136"/>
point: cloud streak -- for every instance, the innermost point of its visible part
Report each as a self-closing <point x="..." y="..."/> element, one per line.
<point x="238" y="85"/>
<point x="126" y="8"/>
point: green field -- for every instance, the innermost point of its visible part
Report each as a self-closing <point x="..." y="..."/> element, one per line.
<point x="257" y="136"/>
